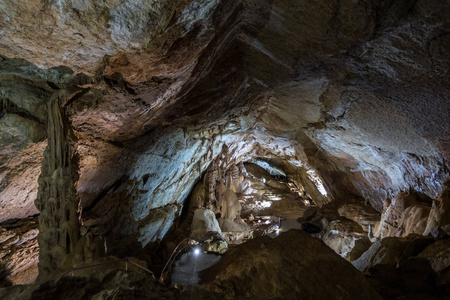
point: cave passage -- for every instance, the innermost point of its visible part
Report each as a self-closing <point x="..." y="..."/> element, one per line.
<point x="204" y="143"/>
<point x="230" y="206"/>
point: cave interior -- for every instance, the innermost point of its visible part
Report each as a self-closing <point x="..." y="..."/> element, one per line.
<point x="265" y="149"/>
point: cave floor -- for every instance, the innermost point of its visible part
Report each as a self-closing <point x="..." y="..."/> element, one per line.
<point x="186" y="268"/>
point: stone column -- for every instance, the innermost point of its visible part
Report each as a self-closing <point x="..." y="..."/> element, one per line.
<point x="57" y="200"/>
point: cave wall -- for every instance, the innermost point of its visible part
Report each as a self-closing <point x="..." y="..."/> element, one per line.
<point x="356" y="92"/>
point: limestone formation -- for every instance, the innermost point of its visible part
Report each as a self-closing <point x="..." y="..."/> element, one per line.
<point x="363" y="214"/>
<point x="342" y="235"/>
<point x="149" y="110"/>
<point x="439" y="218"/>
<point x="59" y="230"/>
<point x="407" y="213"/>
<point x="204" y="221"/>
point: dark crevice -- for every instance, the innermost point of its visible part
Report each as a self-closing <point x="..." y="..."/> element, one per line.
<point x="9" y="107"/>
<point x="112" y="187"/>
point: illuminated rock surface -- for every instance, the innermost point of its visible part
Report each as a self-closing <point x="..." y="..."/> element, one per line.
<point x="19" y="251"/>
<point x="341" y="105"/>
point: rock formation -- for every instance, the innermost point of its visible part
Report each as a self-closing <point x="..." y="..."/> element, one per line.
<point x="19" y="251"/>
<point x="150" y="109"/>
<point x="264" y="268"/>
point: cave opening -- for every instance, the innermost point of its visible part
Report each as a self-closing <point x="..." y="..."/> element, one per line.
<point x="233" y="202"/>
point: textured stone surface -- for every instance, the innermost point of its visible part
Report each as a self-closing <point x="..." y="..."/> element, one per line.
<point x="407" y="213"/>
<point x="364" y="215"/>
<point x="342" y="235"/>
<point x="411" y="267"/>
<point x="19" y="181"/>
<point x="439" y="218"/>
<point x="391" y="250"/>
<point x="204" y="221"/>
<point x="349" y="99"/>
<point x="285" y="267"/>
<point x="438" y="254"/>
<point x="19" y="251"/>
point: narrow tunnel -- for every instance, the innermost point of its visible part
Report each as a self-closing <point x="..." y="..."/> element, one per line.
<point x="224" y="149"/>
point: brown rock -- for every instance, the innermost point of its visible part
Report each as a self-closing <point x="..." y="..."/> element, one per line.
<point x="364" y="215"/>
<point x="289" y="266"/>
<point x="390" y="251"/>
<point x="19" y="251"/>
<point x="438" y="254"/>
<point x="342" y="235"/>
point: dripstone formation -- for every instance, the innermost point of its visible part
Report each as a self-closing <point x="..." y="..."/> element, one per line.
<point x="120" y="119"/>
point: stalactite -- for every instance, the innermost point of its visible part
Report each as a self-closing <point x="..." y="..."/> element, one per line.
<point x="57" y="198"/>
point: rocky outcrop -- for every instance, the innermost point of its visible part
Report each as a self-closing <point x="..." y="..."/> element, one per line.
<point x="413" y="266"/>
<point x="365" y="215"/>
<point x="141" y="99"/>
<point x="405" y="214"/>
<point x="287" y="267"/>
<point x="19" y="251"/>
<point x="438" y="254"/>
<point x="19" y="179"/>
<point x="439" y="219"/>
<point x="391" y="250"/>
<point x="343" y="235"/>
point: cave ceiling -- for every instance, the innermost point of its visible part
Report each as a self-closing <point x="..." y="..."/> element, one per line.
<point x="154" y="91"/>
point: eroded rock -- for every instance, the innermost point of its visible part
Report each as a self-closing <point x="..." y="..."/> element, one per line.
<point x="391" y="250"/>
<point x="364" y="215"/>
<point x="342" y="235"/>
<point x="405" y="214"/>
<point x="403" y="267"/>
<point x="19" y="251"/>
<point x="204" y="221"/>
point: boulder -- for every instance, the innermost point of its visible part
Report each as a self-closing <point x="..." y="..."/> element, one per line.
<point x="400" y="268"/>
<point x="341" y="235"/>
<point x="364" y="215"/>
<point x="214" y="242"/>
<point x="391" y="250"/>
<point x="438" y="254"/>
<point x="293" y="265"/>
<point x="204" y="221"/>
